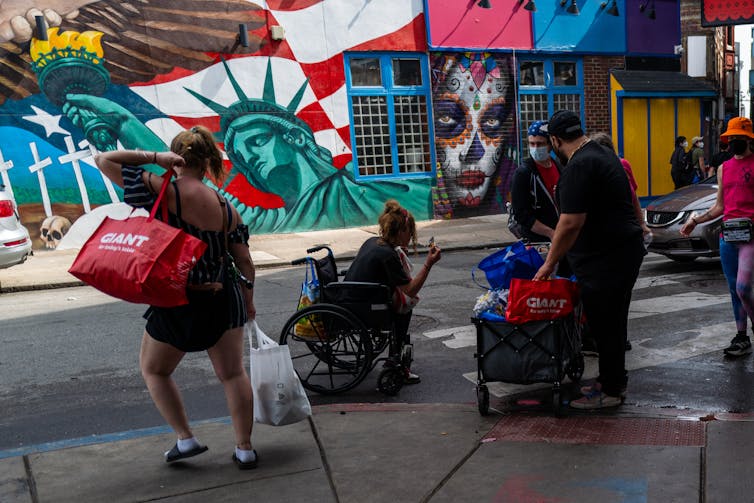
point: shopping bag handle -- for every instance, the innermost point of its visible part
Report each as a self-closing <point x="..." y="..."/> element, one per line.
<point x="473" y="278"/>
<point x="263" y="341"/>
<point x="162" y="202"/>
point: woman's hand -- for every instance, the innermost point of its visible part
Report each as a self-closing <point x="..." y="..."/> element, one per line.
<point x="433" y="256"/>
<point x="169" y="160"/>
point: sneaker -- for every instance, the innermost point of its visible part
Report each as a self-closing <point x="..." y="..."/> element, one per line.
<point x="589" y="347"/>
<point x="628" y="346"/>
<point x="412" y="378"/>
<point x="739" y="346"/>
<point x="596" y="400"/>
<point x="596" y="388"/>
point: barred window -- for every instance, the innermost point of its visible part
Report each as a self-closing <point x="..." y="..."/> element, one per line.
<point x="390" y="127"/>
<point x="545" y="86"/>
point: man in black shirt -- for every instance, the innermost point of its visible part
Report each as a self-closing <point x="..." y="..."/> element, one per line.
<point x="599" y="233"/>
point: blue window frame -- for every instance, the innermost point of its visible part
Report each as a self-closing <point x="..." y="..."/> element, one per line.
<point x="545" y="85"/>
<point x="389" y="99"/>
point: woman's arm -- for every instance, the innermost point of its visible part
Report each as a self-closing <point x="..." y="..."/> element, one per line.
<point x="412" y="287"/>
<point x="712" y="213"/>
<point x="245" y="264"/>
<point x="111" y="164"/>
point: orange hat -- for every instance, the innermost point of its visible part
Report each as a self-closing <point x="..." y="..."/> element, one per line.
<point x="739" y="126"/>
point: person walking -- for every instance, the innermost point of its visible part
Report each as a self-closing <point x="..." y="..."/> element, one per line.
<point x="599" y="233"/>
<point x="698" y="165"/>
<point x="680" y="170"/>
<point x="735" y="200"/>
<point x="213" y="319"/>
<point x="533" y="188"/>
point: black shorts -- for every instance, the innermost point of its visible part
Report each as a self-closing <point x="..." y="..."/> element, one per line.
<point x="198" y="325"/>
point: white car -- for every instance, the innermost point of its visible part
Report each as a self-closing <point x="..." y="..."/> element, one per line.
<point x="15" y="244"/>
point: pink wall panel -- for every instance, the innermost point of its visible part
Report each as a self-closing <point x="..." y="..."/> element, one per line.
<point x="463" y="24"/>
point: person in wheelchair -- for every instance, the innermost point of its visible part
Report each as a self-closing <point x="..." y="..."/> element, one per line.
<point x="384" y="260"/>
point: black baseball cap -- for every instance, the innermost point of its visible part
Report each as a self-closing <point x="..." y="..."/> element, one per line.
<point x="563" y="122"/>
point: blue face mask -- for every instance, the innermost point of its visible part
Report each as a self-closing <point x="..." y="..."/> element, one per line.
<point x="539" y="154"/>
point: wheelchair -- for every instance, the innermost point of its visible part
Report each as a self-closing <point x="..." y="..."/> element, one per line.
<point x="340" y="338"/>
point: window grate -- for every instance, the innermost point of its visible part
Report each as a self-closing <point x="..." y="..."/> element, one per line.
<point x="412" y="134"/>
<point x="372" y="128"/>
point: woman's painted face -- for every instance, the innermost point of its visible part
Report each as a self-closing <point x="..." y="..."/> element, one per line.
<point x="469" y="128"/>
<point x="263" y="150"/>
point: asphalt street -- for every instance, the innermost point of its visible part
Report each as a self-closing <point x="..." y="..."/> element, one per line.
<point x="70" y="361"/>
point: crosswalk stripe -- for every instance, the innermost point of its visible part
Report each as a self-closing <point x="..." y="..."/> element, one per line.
<point x="708" y="339"/>
<point x="464" y="336"/>
<point x="673" y="303"/>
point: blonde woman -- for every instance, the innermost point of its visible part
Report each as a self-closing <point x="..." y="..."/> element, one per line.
<point x="218" y="307"/>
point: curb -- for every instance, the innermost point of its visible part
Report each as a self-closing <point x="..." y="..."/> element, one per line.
<point x="268" y="265"/>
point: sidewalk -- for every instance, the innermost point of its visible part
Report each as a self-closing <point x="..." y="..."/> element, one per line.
<point x="394" y="452"/>
<point x="406" y="453"/>
<point x="49" y="269"/>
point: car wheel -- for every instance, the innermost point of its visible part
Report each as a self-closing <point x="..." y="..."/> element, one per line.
<point x="681" y="258"/>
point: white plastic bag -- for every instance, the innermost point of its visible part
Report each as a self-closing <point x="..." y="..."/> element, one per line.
<point x="279" y="397"/>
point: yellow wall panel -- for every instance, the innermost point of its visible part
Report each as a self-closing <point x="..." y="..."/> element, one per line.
<point x="614" y="87"/>
<point x="635" y="139"/>
<point x="689" y="117"/>
<point x="662" y="138"/>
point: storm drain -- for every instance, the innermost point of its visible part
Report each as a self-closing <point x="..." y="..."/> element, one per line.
<point x="599" y="430"/>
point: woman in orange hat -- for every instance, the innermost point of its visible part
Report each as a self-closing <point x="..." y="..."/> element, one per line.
<point x="735" y="203"/>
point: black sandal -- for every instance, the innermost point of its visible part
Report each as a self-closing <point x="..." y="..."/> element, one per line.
<point x="175" y="454"/>
<point x="246" y="465"/>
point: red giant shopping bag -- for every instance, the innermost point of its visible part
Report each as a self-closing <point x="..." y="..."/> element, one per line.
<point x="140" y="259"/>
<point x="530" y="300"/>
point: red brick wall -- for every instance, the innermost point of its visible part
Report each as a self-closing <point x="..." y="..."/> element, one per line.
<point x="596" y="86"/>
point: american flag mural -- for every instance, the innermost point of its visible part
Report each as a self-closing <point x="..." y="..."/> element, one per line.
<point x="172" y="64"/>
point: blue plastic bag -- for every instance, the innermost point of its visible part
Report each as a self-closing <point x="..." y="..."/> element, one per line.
<point x="515" y="261"/>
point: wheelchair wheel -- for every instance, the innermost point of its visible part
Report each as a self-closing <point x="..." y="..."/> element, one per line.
<point x="390" y="380"/>
<point x="330" y="348"/>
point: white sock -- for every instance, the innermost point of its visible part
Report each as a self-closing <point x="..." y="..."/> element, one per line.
<point x="187" y="444"/>
<point x="245" y="456"/>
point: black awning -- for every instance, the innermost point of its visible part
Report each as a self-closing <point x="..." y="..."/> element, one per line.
<point x="661" y="83"/>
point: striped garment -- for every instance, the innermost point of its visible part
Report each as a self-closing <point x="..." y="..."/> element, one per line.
<point x="191" y="327"/>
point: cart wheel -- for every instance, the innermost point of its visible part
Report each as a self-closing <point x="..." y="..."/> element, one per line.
<point x="390" y="381"/>
<point x="557" y="406"/>
<point x="576" y="367"/>
<point x="483" y="399"/>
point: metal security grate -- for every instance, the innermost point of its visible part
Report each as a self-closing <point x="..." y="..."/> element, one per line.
<point x="412" y="133"/>
<point x="570" y="102"/>
<point x="533" y="107"/>
<point x="370" y="119"/>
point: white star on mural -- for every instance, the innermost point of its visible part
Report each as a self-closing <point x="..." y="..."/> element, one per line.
<point x="51" y="123"/>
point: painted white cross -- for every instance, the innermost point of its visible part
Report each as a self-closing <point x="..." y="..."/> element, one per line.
<point x="4" y="167"/>
<point x="90" y="160"/>
<point x="38" y="167"/>
<point x="73" y="156"/>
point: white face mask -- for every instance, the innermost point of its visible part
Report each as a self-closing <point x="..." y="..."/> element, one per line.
<point x="685" y="144"/>
<point x="539" y="154"/>
<point x="701" y="144"/>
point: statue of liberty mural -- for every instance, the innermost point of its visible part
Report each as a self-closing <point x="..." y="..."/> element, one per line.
<point x="277" y="153"/>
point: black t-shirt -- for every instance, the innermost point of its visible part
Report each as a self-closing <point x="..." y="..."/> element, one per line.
<point x="594" y="182"/>
<point x="377" y="262"/>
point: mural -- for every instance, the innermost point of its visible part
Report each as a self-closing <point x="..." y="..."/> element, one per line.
<point x="475" y="132"/>
<point x="131" y="75"/>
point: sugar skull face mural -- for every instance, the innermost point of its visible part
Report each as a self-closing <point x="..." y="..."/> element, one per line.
<point x="473" y="103"/>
